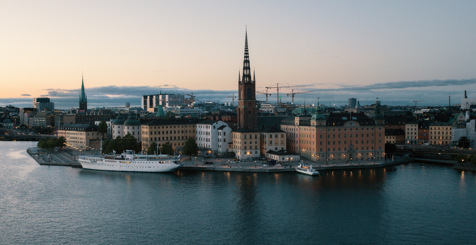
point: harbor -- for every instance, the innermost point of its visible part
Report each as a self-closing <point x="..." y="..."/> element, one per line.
<point x="69" y="158"/>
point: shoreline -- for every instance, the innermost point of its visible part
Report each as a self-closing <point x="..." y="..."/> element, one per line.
<point x="68" y="159"/>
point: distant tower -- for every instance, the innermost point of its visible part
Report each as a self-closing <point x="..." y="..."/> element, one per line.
<point x="83" y="101"/>
<point x="352" y="102"/>
<point x="247" y="110"/>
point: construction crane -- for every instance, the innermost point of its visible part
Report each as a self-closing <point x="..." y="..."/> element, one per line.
<point x="267" y="94"/>
<point x="191" y="99"/>
<point x="233" y="97"/>
<point x="294" y="93"/>
<point x="416" y="101"/>
<point x="289" y="86"/>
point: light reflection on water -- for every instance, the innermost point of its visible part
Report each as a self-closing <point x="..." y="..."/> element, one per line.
<point x="416" y="204"/>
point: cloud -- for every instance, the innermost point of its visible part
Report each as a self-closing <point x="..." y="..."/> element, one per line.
<point x="431" y="92"/>
<point x="26" y="95"/>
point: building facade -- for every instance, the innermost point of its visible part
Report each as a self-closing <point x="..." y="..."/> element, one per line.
<point x="151" y="103"/>
<point x="246" y="139"/>
<point x="213" y="137"/>
<point x="440" y="134"/>
<point x="335" y="137"/>
<point x="161" y="131"/>
<point x="42" y="104"/>
<point x="80" y="136"/>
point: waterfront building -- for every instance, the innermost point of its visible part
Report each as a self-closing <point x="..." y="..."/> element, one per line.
<point x="282" y="156"/>
<point x="440" y="133"/>
<point x="411" y="133"/>
<point x="83" y="101"/>
<point x="272" y="140"/>
<point x="42" y="104"/>
<point x="466" y="129"/>
<point x="394" y="136"/>
<point x="175" y="131"/>
<point x="80" y="136"/>
<point x="213" y="136"/>
<point x="151" y="103"/>
<point x="335" y="137"/>
<point x="246" y="139"/>
<point x="122" y="126"/>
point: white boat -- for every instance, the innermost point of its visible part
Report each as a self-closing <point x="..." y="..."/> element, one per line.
<point x="309" y="170"/>
<point x="130" y="162"/>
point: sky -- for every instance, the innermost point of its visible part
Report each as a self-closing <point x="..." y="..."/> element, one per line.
<point x="398" y="51"/>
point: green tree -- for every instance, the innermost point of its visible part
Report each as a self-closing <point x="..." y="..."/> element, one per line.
<point x="152" y="149"/>
<point x="102" y="128"/>
<point x="463" y="142"/>
<point x="169" y="115"/>
<point x="60" y="142"/>
<point x="167" y="149"/>
<point x="107" y="147"/>
<point x="190" y="148"/>
<point x="390" y="149"/>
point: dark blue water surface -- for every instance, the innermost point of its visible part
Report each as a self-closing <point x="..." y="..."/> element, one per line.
<point x="416" y="204"/>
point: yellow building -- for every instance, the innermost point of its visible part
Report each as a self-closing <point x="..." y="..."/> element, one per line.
<point x="161" y="131"/>
<point x="80" y="136"/>
<point x="440" y="134"/>
<point x="335" y="137"/>
<point x="246" y="145"/>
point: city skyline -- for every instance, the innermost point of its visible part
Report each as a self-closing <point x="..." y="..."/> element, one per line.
<point x="350" y="49"/>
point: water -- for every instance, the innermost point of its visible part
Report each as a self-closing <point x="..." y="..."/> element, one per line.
<point x="417" y="204"/>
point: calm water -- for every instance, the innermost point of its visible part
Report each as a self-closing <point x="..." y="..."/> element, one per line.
<point x="417" y="204"/>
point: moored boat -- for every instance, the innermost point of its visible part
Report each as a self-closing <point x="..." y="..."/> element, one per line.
<point x="130" y="162"/>
<point x="309" y="170"/>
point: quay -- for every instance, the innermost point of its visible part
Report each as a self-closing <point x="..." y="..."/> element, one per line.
<point x="69" y="158"/>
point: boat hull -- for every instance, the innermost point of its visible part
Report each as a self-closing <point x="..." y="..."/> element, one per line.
<point x="307" y="172"/>
<point x="130" y="166"/>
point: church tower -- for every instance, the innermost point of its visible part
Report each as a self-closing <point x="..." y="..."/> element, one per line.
<point x="83" y="101"/>
<point x="247" y="109"/>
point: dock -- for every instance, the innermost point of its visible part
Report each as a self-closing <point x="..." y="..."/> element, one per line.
<point x="69" y="158"/>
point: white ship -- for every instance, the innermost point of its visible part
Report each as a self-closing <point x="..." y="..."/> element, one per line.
<point x="309" y="170"/>
<point x="130" y="162"/>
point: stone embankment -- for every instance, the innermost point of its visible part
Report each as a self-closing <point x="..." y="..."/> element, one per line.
<point x="55" y="158"/>
<point x="69" y="158"/>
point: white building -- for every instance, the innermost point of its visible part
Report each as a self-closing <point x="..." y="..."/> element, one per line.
<point x="150" y="103"/>
<point x="121" y="127"/>
<point x="467" y="130"/>
<point x="213" y="137"/>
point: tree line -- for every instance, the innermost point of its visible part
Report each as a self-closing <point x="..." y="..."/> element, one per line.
<point x="51" y="143"/>
<point x="129" y="142"/>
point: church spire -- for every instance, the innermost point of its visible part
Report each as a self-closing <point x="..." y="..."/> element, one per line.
<point x="83" y="101"/>
<point x="246" y="78"/>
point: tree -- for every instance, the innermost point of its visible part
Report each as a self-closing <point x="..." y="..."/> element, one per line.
<point x="167" y="149"/>
<point x="152" y="149"/>
<point x="390" y="149"/>
<point x="61" y="142"/>
<point x="106" y="147"/>
<point x="190" y="148"/>
<point x="102" y="128"/>
<point x="463" y="142"/>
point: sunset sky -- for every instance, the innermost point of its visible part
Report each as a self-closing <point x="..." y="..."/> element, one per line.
<point x="340" y="48"/>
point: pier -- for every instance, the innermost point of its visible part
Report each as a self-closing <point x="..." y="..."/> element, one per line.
<point x="69" y="158"/>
